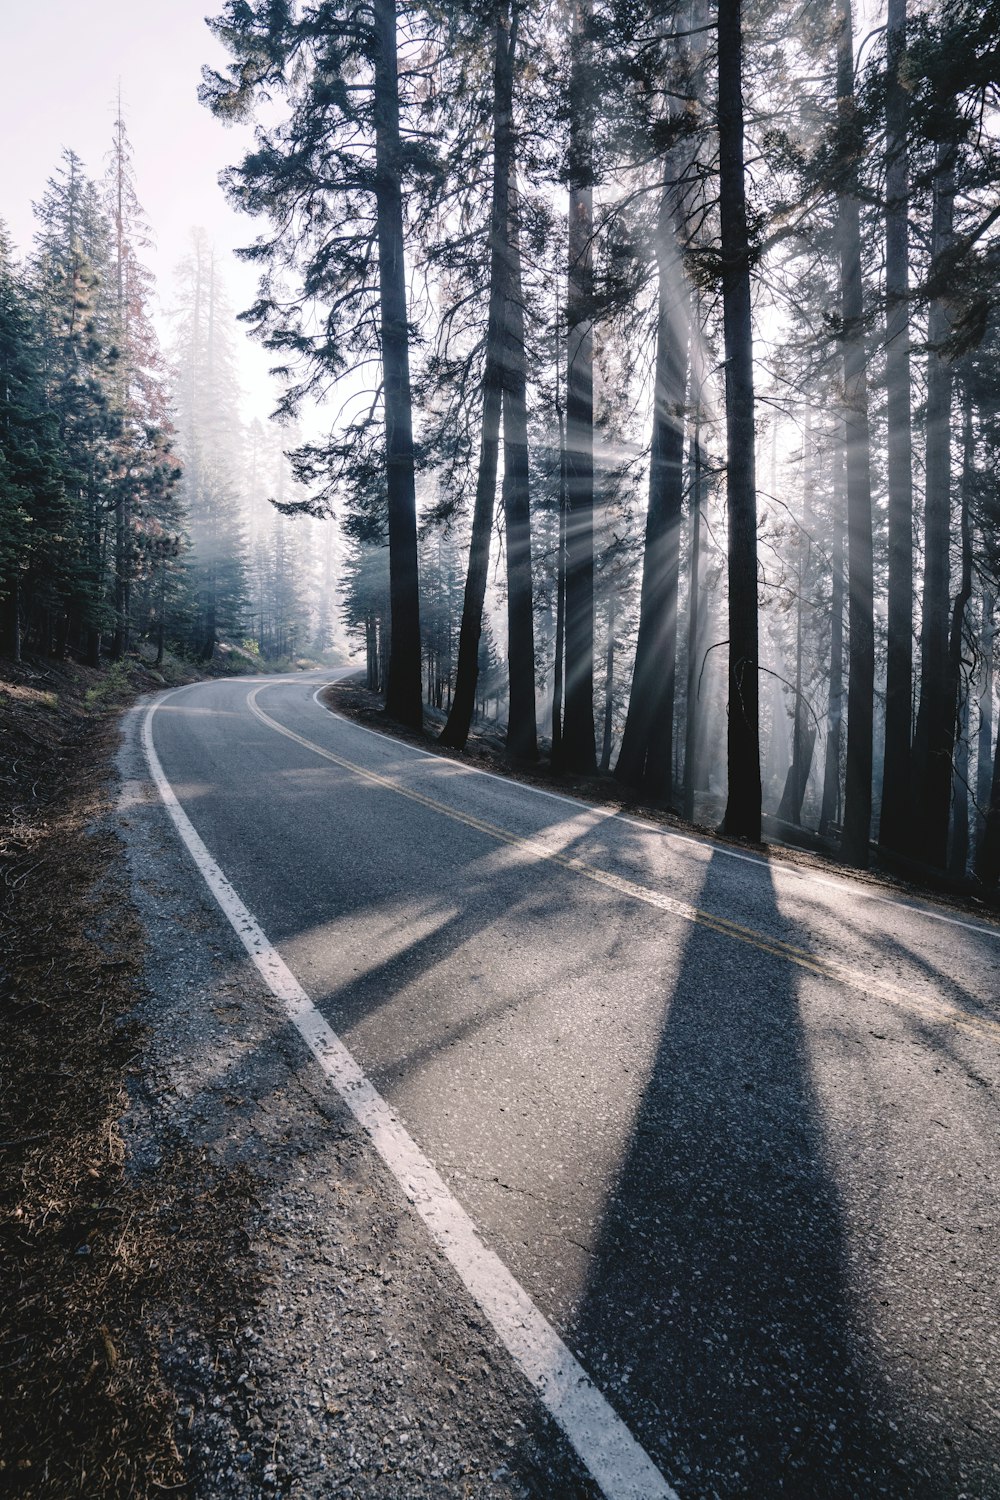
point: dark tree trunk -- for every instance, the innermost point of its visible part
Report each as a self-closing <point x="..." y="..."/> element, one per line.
<point x="646" y="756"/>
<point x="895" y="821"/>
<point x="209" y="640"/>
<point x="694" y="630"/>
<point x="984" y="734"/>
<point x="403" y="691"/>
<point x="161" y="623"/>
<point x="120" y="640"/>
<point x="456" y="730"/>
<point x="958" y="852"/>
<point x="803" y="736"/>
<point x="958" y="717"/>
<point x="935" y="731"/>
<point x="988" y="850"/>
<point x="522" y="728"/>
<point x="830" y="812"/>
<point x="578" y="751"/>
<point x="560" y="641"/>
<point x="860" y="585"/>
<point x="743" y="806"/>
<point x="609" y="676"/>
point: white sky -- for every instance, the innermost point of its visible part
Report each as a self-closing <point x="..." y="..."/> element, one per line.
<point x="62" y="63"/>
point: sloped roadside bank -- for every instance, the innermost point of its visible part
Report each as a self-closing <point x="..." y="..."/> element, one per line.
<point x="87" y="1248"/>
<point x="218" y="1292"/>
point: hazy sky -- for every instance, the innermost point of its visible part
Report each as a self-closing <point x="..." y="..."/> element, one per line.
<point x="62" y="63"/>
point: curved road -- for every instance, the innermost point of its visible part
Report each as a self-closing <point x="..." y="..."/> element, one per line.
<point x="731" y="1126"/>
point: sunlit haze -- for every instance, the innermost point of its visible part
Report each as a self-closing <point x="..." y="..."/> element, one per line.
<point x="63" y="64"/>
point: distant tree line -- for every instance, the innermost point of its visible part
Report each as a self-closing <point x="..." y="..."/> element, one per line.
<point x="134" y="501"/>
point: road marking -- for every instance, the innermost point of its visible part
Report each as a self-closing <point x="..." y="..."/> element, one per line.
<point x="936" y="1011"/>
<point x="853" y="888"/>
<point x="620" y="1466"/>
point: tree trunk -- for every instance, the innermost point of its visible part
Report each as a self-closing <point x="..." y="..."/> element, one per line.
<point x="403" y="692"/>
<point x="830" y="812"/>
<point x="984" y="734"/>
<point x="860" y="589"/>
<point x="803" y="736"/>
<point x="743" y="806"/>
<point x="560" y="641"/>
<point x="646" y="756"/>
<point x="694" y="631"/>
<point x="456" y="729"/>
<point x="119" y="644"/>
<point x="895" y="824"/>
<point x="522" y="729"/>
<point x="578" y="751"/>
<point x="958" y="853"/>
<point x="988" y="850"/>
<point x="935" y="731"/>
<point x="609" y="676"/>
<point x="959" y="701"/>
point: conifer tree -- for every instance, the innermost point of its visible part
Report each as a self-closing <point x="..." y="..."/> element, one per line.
<point x="332" y="178"/>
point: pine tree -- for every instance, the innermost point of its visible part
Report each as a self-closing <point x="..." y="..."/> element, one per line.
<point x="333" y="178"/>
<point x="206" y="406"/>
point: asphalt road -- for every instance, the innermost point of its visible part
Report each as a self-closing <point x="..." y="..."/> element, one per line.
<point x="733" y="1127"/>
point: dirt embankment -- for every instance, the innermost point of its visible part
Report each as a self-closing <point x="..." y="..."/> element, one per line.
<point x="91" y="1261"/>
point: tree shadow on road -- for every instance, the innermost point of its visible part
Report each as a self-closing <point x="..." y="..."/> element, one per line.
<point x="719" y="1290"/>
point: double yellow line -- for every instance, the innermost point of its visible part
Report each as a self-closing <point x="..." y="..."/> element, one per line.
<point x="937" y="1012"/>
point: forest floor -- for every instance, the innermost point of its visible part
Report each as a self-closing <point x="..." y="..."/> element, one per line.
<point x="86" y="1247"/>
<point x="82" y="1249"/>
<point x="485" y="751"/>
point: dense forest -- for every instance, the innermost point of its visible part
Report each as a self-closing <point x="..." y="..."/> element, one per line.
<point x="133" y="497"/>
<point x="647" y="357"/>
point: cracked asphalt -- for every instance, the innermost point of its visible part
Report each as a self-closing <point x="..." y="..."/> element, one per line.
<point x="732" y="1126"/>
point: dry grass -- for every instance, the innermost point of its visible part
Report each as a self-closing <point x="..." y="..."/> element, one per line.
<point x="96" y="1259"/>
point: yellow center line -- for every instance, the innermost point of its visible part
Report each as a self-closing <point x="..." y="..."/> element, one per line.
<point x="934" y="1010"/>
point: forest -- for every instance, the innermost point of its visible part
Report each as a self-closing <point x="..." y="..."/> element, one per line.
<point x="133" y="495"/>
<point x="640" y="390"/>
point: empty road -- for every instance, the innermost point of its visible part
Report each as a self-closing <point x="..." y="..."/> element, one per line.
<point x="730" y="1126"/>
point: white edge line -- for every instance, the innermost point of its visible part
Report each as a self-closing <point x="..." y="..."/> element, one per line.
<point x="620" y="1466"/>
<point x="847" y="885"/>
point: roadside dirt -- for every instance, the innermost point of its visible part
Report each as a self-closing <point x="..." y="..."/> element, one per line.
<point x="486" y="752"/>
<point x="90" y="1256"/>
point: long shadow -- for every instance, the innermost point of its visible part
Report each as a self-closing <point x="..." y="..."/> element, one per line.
<point x="719" y="1300"/>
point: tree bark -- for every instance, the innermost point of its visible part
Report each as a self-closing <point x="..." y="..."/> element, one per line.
<point x="578" y="751"/>
<point x="403" y="689"/>
<point x="560" y="641"/>
<point x="803" y="736"/>
<point x="522" y="728"/>
<point x="935" y="731"/>
<point x="895" y="823"/>
<point x="609" y="676"/>
<point x="743" y="807"/>
<point x="984" y="734"/>
<point x="958" y="717"/>
<point x="860" y="606"/>
<point x="646" y="756"/>
<point x="456" y="729"/>
<point x="695" y="631"/>
<point x="830" y="812"/>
